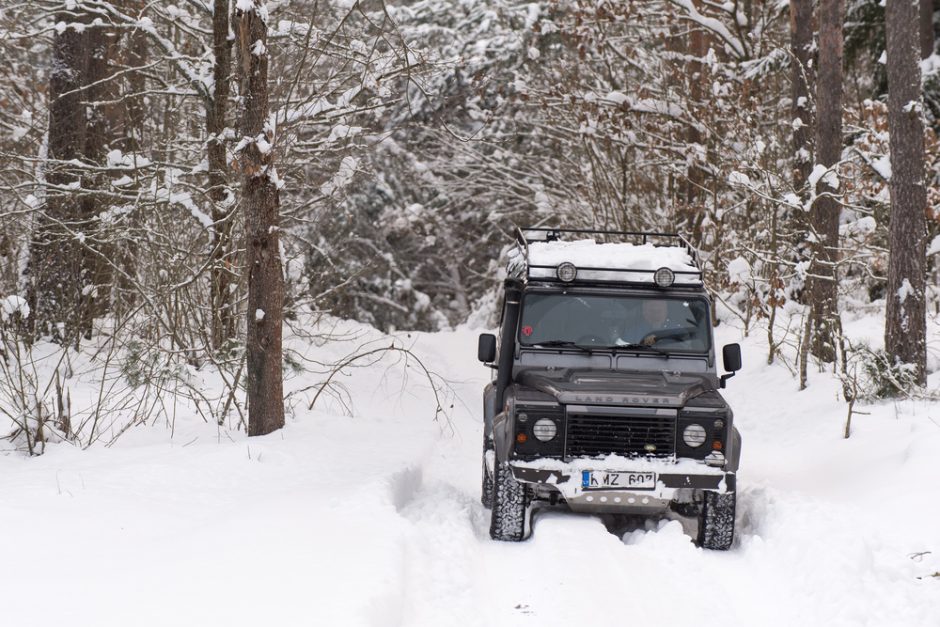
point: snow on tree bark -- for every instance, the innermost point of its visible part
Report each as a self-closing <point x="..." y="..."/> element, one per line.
<point x="826" y="208"/>
<point x="801" y="79"/>
<point x="260" y="200"/>
<point x="905" y="322"/>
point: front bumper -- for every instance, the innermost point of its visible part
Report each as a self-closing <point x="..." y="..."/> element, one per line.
<point x="675" y="482"/>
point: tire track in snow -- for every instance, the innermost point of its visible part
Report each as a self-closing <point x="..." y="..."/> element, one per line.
<point x="442" y="562"/>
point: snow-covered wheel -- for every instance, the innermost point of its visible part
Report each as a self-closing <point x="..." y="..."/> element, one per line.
<point x="509" y="518"/>
<point x="486" y="492"/>
<point x="716" y="525"/>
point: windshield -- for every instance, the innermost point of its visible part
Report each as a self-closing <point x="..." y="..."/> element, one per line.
<point x="594" y="320"/>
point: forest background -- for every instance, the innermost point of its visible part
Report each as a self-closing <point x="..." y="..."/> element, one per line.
<point x="397" y="148"/>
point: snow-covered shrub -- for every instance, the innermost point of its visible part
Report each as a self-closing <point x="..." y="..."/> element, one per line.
<point x="871" y="375"/>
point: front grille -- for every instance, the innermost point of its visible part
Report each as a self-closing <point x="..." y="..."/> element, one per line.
<point x="630" y="436"/>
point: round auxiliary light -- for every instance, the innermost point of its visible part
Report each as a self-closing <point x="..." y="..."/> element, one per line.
<point x="545" y="429"/>
<point x="694" y="436"/>
<point x="664" y="277"/>
<point x="567" y="272"/>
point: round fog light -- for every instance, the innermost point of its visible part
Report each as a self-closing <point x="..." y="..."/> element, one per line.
<point x="694" y="436"/>
<point x="545" y="429"/>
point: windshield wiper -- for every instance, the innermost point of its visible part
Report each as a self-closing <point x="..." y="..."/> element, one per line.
<point x="640" y="347"/>
<point x="565" y="344"/>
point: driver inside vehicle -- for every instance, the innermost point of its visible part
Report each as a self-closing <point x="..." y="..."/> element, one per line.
<point x="657" y="318"/>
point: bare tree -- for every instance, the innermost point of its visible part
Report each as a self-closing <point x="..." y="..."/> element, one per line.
<point x="905" y="325"/>
<point x="260" y="199"/>
<point x="825" y="213"/>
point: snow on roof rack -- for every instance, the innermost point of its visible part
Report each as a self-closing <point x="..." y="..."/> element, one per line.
<point x="634" y="257"/>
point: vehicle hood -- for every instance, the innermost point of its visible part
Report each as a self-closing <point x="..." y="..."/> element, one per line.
<point x="595" y="387"/>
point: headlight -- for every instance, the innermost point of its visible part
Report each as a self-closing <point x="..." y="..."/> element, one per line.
<point x="694" y="435"/>
<point x="545" y="429"/>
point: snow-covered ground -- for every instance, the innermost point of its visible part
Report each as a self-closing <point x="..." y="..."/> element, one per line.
<point x="374" y="519"/>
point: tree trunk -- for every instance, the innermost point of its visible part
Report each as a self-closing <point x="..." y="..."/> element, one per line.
<point x="926" y="28"/>
<point x="104" y="132"/>
<point x="826" y="208"/>
<point x="133" y="110"/>
<point x="56" y="268"/>
<point x="905" y="322"/>
<point x="801" y="80"/>
<point x="223" y="278"/>
<point x="260" y="199"/>
<point x="696" y="48"/>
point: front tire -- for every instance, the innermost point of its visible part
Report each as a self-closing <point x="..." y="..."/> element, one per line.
<point x="509" y="518"/>
<point x="716" y="524"/>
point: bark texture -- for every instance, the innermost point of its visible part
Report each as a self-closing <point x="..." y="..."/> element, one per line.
<point x="260" y="200"/>
<point x="71" y="253"/>
<point x="926" y="28"/>
<point x="801" y="81"/>
<point x="56" y="265"/>
<point x="905" y="324"/>
<point x="222" y="267"/>
<point x="826" y="208"/>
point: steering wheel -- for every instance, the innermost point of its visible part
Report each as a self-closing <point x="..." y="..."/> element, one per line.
<point x="679" y="334"/>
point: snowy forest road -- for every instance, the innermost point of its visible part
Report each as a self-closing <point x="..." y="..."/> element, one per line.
<point x="826" y="531"/>
<point x="375" y="521"/>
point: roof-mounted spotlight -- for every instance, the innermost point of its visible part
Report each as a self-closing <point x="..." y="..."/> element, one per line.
<point x="535" y="235"/>
<point x="664" y="277"/>
<point x="566" y="272"/>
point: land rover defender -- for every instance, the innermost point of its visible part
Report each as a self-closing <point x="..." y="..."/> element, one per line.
<point x="606" y="396"/>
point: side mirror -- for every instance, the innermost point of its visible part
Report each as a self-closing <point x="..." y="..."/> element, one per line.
<point x="486" y="347"/>
<point x="731" y="357"/>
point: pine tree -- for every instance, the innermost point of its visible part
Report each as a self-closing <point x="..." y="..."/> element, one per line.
<point x="905" y="322"/>
<point x="825" y="212"/>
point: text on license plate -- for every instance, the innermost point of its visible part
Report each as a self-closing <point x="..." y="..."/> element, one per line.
<point x="599" y="480"/>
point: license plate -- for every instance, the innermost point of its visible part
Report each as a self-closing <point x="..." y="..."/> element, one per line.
<point x="596" y="480"/>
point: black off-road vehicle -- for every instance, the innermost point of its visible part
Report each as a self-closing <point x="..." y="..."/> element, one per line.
<point x="605" y="398"/>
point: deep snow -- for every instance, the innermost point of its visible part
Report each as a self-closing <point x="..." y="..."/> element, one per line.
<point x="374" y="520"/>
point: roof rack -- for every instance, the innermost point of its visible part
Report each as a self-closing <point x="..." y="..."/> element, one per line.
<point x="524" y="269"/>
